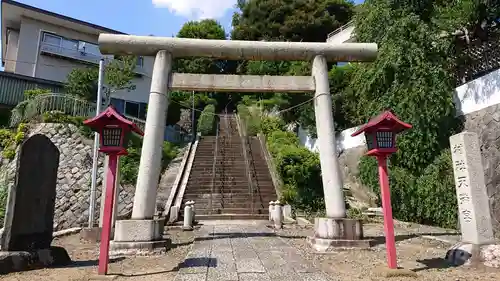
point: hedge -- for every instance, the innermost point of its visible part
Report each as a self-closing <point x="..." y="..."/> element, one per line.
<point x="251" y="122"/>
<point x="426" y="199"/>
<point x="206" y="122"/>
<point x="299" y="168"/>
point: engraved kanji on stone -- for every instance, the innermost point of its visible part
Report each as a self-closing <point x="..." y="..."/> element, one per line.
<point x="467" y="215"/>
<point x="463" y="198"/>
<point x="460" y="165"/>
<point x="462" y="182"/>
<point x="457" y="148"/>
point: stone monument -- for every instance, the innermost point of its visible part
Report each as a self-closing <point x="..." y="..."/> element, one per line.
<point x="29" y="215"/>
<point x="477" y="245"/>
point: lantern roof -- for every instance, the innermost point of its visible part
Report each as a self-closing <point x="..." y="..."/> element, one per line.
<point x="110" y="114"/>
<point x="386" y="120"/>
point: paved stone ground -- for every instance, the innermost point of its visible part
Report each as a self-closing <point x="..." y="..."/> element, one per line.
<point x="244" y="252"/>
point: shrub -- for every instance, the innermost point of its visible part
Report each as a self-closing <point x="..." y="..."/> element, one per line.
<point x="427" y="199"/>
<point x="251" y="122"/>
<point x="10" y="139"/>
<point x="62" y="118"/>
<point x="299" y="168"/>
<point x="30" y="94"/>
<point x="271" y="124"/>
<point x="3" y="201"/>
<point x="129" y="164"/>
<point x="206" y="121"/>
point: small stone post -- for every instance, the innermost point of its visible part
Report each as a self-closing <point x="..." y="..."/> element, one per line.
<point x="278" y="215"/>
<point x="473" y="204"/>
<point x="271" y="210"/>
<point x="188" y="217"/>
<point x="193" y="211"/>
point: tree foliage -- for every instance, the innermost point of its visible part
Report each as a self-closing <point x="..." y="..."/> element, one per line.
<point x="82" y="82"/>
<point x="413" y="75"/>
<point x="289" y="20"/>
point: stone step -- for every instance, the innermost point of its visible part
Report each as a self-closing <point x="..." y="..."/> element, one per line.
<point x="241" y="191"/>
<point x="201" y="217"/>
<point x="234" y="196"/>
<point x="237" y="211"/>
<point x="231" y="206"/>
<point x="228" y="199"/>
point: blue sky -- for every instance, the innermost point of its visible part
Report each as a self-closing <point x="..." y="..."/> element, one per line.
<point x="142" y="17"/>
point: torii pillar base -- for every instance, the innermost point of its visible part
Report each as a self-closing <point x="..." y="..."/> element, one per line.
<point x="331" y="234"/>
<point x="139" y="238"/>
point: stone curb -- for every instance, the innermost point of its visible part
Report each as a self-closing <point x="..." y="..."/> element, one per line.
<point x="66" y="232"/>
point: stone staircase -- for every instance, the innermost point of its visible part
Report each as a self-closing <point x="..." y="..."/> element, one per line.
<point x="219" y="178"/>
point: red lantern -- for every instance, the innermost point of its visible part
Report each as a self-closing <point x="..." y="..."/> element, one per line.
<point x="380" y="133"/>
<point x="114" y="130"/>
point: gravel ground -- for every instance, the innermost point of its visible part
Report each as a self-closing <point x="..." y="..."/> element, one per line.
<point x="85" y="257"/>
<point x="421" y="255"/>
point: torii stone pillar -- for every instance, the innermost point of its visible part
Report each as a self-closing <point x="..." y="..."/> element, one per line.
<point x="154" y="132"/>
<point x="323" y="112"/>
<point x="330" y="230"/>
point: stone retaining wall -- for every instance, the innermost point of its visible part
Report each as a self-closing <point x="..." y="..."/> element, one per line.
<point x="73" y="177"/>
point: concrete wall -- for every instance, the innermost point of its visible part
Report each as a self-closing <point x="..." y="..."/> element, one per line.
<point x="11" y="52"/>
<point x="31" y="63"/>
<point x="343" y="36"/>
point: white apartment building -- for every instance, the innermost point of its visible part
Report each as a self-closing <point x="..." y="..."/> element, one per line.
<point x="46" y="45"/>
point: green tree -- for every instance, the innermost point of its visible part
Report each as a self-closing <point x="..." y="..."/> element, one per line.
<point x="413" y="75"/>
<point x="204" y="29"/>
<point x="82" y="82"/>
<point x="289" y="20"/>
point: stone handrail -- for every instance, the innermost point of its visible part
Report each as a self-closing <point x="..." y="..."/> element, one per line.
<point x="277" y="182"/>
<point x="175" y="185"/>
<point x="185" y="177"/>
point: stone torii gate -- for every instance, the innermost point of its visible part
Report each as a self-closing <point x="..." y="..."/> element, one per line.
<point x="163" y="80"/>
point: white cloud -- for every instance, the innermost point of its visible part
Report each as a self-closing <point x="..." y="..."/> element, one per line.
<point x="197" y="9"/>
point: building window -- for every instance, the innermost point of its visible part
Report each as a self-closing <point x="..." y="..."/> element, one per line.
<point x="136" y="110"/>
<point x="89" y="48"/>
<point x="140" y="61"/>
<point x="52" y="39"/>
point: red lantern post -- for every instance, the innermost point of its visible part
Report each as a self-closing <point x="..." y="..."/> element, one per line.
<point x="113" y="130"/>
<point x="380" y="133"/>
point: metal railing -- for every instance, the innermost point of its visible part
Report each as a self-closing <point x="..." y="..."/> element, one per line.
<point x="88" y="57"/>
<point x="40" y="104"/>
<point x="340" y="29"/>
<point x="139" y="122"/>
<point x="216" y="152"/>
<point x="244" y="141"/>
<point x="69" y="105"/>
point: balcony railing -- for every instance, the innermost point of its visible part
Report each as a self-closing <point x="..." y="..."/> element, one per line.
<point x="340" y="29"/>
<point x="80" y="55"/>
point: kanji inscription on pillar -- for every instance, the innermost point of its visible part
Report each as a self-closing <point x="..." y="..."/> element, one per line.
<point x="473" y="202"/>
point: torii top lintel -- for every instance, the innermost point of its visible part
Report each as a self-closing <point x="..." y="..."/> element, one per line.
<point x="111" y="114"/>
<point x="234" y="49"/>
<point x="386" y="120"/>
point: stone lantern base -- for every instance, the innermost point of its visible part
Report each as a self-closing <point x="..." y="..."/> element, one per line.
<point x="330" y="233"/>
<point x="139" y="237"/>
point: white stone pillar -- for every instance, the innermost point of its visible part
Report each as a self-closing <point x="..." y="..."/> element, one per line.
<point x="330" y="172"/>
<point x="151" y="153"/>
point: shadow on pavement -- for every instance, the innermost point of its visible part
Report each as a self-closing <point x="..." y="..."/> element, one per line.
<point x="378" y="240"/>
<point x="225" y="235"/>
<point x="434" y="263"/>
<point x="87" y="263"/>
